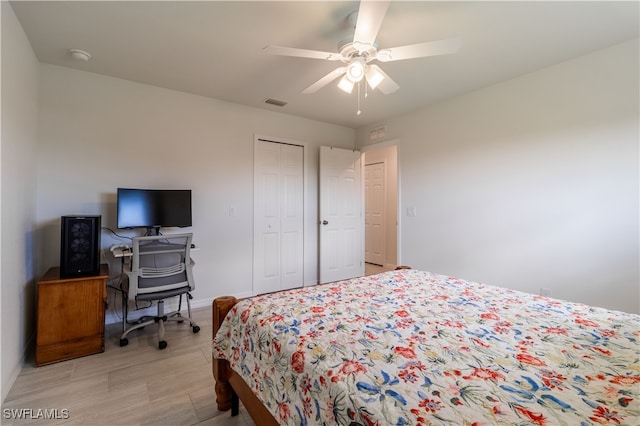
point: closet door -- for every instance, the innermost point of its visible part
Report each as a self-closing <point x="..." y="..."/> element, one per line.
<point x="278" y="217"/>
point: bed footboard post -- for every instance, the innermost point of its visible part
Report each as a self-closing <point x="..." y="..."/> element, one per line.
<point x="221" y="369"/>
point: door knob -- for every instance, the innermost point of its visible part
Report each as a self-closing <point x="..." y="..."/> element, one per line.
<point x="324" y="222"/>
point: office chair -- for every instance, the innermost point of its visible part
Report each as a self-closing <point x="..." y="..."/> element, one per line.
<point x="160" y="268"/>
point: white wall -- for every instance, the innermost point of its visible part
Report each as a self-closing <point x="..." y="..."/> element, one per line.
<point x="19" y="88"/>
<point x="530" y="183"/>
<point x="99" y="133"/>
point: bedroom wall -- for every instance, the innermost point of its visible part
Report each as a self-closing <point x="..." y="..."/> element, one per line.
<point x="99" y="133"/>
<point x="19" y="87"/>
<point x="531" y="183"/>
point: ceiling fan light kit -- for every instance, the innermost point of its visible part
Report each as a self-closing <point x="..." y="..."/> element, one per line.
<point x="345" y="84"/>
<point x="374" y="77"/>
<point x="359" y="52"/>
<point x="355" y="70"/>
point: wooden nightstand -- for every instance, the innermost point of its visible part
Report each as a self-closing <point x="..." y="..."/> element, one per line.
<point x="70" y="316"/>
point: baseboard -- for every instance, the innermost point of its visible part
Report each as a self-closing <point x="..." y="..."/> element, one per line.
<point x="112" y="316"/>
<point x="201" y="303"/>
<point x="6" y="387"/>
<point x="29" y="348"/>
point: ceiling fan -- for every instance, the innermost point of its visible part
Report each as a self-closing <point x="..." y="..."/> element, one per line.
<point x="358" y="54"/>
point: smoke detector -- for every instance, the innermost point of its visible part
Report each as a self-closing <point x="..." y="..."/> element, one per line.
<point x="79" y="55"/>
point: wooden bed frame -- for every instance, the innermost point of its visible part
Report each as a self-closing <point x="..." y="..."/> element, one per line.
<point x="230" y="387"/>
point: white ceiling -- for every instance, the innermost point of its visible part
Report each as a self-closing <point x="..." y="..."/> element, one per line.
<point x="214" y="48"/>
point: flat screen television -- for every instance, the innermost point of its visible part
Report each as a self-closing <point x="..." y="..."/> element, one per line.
<point x="153" y="208"/>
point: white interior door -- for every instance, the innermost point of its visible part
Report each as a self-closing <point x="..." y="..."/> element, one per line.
<point x="341" y="233"/>
<point x="374" y="217"/>
<point x="278" y="217"/>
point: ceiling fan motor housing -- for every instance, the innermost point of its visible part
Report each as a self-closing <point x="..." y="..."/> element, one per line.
<point x="349" y="49"/>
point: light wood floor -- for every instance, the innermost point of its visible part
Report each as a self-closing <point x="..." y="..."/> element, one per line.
<point x="134" y="385"/>
<point x="371" y="268"/>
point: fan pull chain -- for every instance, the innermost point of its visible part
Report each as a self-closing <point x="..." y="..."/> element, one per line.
<point x="359" y="112"/>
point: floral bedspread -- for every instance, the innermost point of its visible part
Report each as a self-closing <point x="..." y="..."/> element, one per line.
<point x="413" y="348"/>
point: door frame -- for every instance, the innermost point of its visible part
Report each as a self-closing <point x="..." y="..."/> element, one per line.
<point x="380" y="145"/>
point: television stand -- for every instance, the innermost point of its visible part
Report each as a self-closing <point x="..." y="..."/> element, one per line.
<point x="152" y="231"/>
<point x="70" y="315"/>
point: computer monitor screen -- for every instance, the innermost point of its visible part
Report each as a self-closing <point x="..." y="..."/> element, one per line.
<point x="153" y="208"/>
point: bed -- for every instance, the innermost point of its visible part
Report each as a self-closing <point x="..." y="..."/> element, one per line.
<point x="410" y="347"/>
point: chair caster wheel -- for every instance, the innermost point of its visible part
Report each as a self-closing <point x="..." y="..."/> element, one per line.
<point x="162" y="344"/>
<point x="196" y="328"/>
<point x="124" y="342"/>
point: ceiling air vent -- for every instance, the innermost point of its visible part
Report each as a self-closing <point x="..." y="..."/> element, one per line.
<point x="377" y="134"/>
<point x="276" y="102"/>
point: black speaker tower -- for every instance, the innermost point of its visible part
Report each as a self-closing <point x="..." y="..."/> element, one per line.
<point x="80" y="246"/>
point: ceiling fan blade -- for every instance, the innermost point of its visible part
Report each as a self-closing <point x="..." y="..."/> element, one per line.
<point x="420" y="50"/>
<point x="387" y="85"/>
<point x="370" y="16"/>
<point x="302" y="53"/>
<point x="325" y="80"/>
